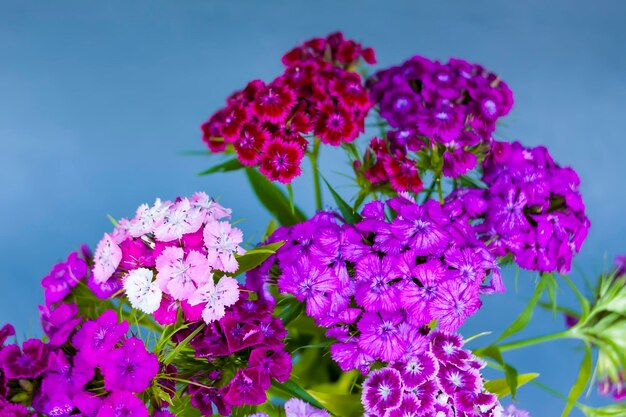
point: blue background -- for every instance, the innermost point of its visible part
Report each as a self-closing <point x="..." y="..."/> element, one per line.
<point x="97" y="99"/>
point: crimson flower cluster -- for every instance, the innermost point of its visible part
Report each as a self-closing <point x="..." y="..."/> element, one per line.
<point x="450" y="107"/>
<point x="88" y="366"/>
<point x="531" y="208"/>
<point x="443" y="379"/>
<point x="268" y="124"/>
<point x="376" y="283"/>
<point x="245" y="350"/>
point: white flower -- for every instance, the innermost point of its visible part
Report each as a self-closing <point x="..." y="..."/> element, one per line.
<point x="147" y="218"/>
<point x="142" y="292"/>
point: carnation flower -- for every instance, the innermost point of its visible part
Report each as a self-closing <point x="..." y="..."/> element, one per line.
<point x="96" y="338"/>
<point x="222" y="243"/>
<point x="63" y="277"/>
<point x="382" y="391"/>
<point x="28" y="362"/>
<point x="180" y="274"/>
<point x="142" y="292"/>
<point x="129" y="367"/>
<point x="106" y="259"/>
<point x="216" y="298"/>
<point x="512" y="411"/>
<point x="122" y="403"/>
<point x="59" y="323"/>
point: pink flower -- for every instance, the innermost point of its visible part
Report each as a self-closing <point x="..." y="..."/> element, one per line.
<point x="222" y="243"/>
<point x="217" y="297"/>
<point x="106" y="259"/>
<point x="180" y="219"/>
<point x="180" y="275"/>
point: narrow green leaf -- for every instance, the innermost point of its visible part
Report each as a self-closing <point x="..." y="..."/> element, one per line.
<point x="294" y="390"/>
<point x="500" y="387"/>
<point x="344" y="208"/>
<point x="255" y="257"/>
<point x="273" y="199"/>
<point x="174" y="352"/>
<point x="584" y="303"/>
<point x="226" y="166"/>
<point x="290" y="311"/>
<point x="581" y="381"/>
<point x="522" y="320"/>
<point x="510" y="373"/>
<point x="290" y="194"/>
<point x="344" y="405"/>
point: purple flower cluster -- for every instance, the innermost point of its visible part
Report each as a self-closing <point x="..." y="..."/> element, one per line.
<point x="440" y="379"/>
<point x="532" y="208"/>
<point x="95" y="370"/>
<point x="376" y="283"/>
<point x="450" y="107"/>
<point x="249" y="343"/>
<point x="295" y="407"/>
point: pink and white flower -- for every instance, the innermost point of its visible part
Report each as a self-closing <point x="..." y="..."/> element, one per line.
<point x="179" y="275"/>
<point x="106" y="259"/>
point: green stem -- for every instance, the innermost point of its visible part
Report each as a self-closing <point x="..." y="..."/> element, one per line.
<point x="439" y="190"/>
<point x="316" y="174"/>
<point x="536" y="340"/>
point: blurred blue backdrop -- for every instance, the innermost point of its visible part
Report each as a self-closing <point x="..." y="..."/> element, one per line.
<point x="97" y="99"/>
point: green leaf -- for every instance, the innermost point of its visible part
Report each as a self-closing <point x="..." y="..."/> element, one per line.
<point x="344" y="405"/>
<point x="174" y="352"/>
<point x="581" y="381"/>
<point x="182" y="408"/>
<point x="294" y="390"/>
<point x="500" y="387"/>
<point x="291" y="309"/>
<point x="344" y="208"/>
<point x="510" y="373"/>
<point x="290" y="194"/>
<point x="522" y="320"/>
<point x="273" y="199"/>
<point x="584" y="303"/>
<point x="226" y="166"/>
<point x="255" y="257"/>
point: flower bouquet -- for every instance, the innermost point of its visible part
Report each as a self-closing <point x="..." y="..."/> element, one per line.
<point x="353" y="310"/>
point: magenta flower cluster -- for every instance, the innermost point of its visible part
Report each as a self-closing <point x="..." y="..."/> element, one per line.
<point x="532" y="208"/>
<point x="248" y="342"/>
<point x="165" y="257"/>
<point x="439" y="379"/>
<point x="374" y="284"/>
<point x="454" y="106"/>
<point x="317" y="94"/>
<point x="89" y="367"/>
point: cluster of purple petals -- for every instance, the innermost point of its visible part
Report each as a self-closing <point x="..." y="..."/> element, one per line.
<point x="440" y="379"/>
<point x="249" y="341"/>
<point x="89" y="369"/>
<point x="316" y="95"/>
<point x="616" y="388"/>
<point x="531" y="208"/>
<point x="455" y="105"/>
<point x="376" y="283"/>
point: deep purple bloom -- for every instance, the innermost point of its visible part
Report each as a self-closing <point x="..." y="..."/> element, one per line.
<point x="245" y="388"/>
<point x="129" y="367"/>
<point x="28" y="362"/>
<point x="380" y="336"/>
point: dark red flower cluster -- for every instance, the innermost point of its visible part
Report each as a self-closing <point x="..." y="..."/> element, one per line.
<point x="268" y="124"/>
<point x="334" y="48"/>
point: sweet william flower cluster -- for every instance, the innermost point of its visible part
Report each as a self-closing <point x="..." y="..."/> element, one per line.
<point x="167" y="254"/>
<point x="352" y="310"/>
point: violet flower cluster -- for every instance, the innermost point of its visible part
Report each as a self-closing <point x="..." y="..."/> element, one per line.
<point x="531" y="208"/>
<point x="88" y="367"/>
<point x="438" y="379"/>
<point x="244" y="351"/>
<point x="267" y="124"/>
<point x="166" y="255"/>
<point x="452" y="108"/>
<point x="376" y="283"/>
